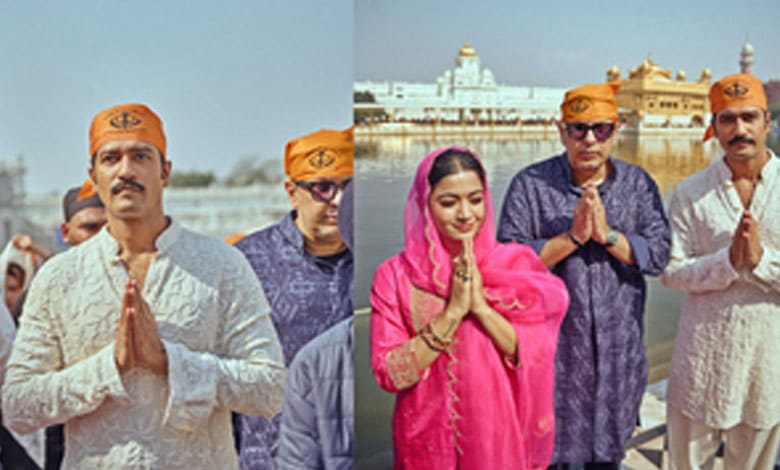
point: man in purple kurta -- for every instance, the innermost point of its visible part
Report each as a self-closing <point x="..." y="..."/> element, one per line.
<point x="304" y="266"/>
<point x="599" y="224"/>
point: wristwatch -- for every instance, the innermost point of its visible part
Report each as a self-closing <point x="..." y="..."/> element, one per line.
<point x="612" y="238"/>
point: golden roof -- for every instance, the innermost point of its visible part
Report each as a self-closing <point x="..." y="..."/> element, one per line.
<point x="649" y="69"/>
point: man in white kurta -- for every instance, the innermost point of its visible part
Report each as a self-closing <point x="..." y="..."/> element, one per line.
<point x="144" y="338"/>
<point x="724" y="381"/>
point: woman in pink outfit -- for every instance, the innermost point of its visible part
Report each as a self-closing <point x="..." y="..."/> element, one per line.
<point x="464" y="330"/>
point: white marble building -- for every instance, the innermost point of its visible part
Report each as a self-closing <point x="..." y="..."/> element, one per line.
<point x="468" y="93"/>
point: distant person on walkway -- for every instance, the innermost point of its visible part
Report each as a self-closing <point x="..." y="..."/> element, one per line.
<point x="19" y="261"/>
<point x="13" y="283"/>
<point x="303" y="264"/>
<point x="144" y="337"/>
<point x="724" y="382"/>
<point x="598" y="223"/>
<point x="464" y="330"/>
<point x="84" y="214"/>
<point x="317" y="428"/>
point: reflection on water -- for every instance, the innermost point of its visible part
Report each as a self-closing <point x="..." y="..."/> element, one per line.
<point x="668" y="161"/>
<point x="386" y="167"/>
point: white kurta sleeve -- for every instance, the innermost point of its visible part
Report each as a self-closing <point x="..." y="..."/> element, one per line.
<point x="688" y="270"/>
<point x="766" y="274"/>
<point x="248" y="373"/>
<point x="38" y="389"/>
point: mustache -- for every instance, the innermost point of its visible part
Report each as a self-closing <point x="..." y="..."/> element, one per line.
<point x="740" y="138"/>
<point x="125" y="183"/>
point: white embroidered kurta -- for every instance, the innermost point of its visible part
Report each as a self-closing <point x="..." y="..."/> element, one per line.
<point x="223" y="355"/>
<point x="726" y="361"/>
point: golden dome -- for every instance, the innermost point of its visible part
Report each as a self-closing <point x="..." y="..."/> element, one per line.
<point x="613" y="73"/>
<point x="651" y="70"/>
<point x="467" y="51"/>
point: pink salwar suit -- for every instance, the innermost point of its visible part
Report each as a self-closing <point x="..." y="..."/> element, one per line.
<point x="474" y="406"/>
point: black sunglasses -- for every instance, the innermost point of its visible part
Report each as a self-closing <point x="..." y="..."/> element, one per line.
<point x="322" y="191"/>
<point x="601" y="130"/>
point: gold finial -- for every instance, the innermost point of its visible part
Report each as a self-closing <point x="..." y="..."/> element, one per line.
<point x="467" y="50"/>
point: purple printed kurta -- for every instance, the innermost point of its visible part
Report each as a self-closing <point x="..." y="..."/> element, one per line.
<point x="601" y="369"/>
<point x="308" y="295"/>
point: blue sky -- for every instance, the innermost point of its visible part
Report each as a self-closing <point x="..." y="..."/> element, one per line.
<point x="562" y="43"/>
<point x="239" y="78"/>
<point x="230" y="79"/>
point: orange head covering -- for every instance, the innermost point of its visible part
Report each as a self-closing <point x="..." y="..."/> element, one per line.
<point x="126" y="121"/>
<point x="234" y="238"/>
<point x="596" y="101"/>
<point x="325" y="153"/>
<point x="87" y="190"/>
<point x="735" y="90"/>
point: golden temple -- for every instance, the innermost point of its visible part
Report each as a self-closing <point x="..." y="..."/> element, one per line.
<point x="650" y="98"/>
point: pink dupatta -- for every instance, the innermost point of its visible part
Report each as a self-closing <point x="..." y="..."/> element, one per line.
<point x="519" y="287"/>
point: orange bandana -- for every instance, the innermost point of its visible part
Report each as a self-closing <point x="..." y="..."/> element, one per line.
<point x="322" y="154"/>
<point x="590" y="102"/>
<point x="126" y="121"/>
<point x="735" y="90"/>
<point x="87" y="190"/>
<point x="234" y="238"/>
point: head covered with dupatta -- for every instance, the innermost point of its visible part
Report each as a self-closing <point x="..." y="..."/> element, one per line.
<point x="431" y="263"/>
<point x="519" y="287"/>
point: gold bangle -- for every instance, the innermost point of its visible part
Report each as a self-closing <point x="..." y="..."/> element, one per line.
<point x="428" y="342"/>
<point x="444" y="343"/>
<point x="440" y="342"/>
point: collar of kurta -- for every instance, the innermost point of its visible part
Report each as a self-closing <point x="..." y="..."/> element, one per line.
<point x="164" y="242"/>
<point x="292" y="234"/>
<point x="568" y="180"/>
<point x="771" y="167"/>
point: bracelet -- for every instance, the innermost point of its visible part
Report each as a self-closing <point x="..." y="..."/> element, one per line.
<point x="574" y="239"/>
<point x="441" y="342"/>
<point x="428" y="341"/>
